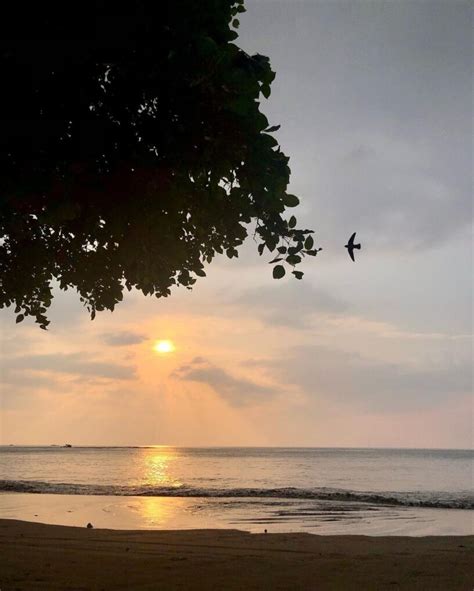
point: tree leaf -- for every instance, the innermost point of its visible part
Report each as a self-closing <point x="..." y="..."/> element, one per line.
<point x="163" y="158"/>
<point x="293" y="259"/>
<point x="290" y="200"/>
<point x="271" y="243"/>
<point x="278" y="272"/>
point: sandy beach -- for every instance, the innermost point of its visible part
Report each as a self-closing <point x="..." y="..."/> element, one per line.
<point x="39" y="556"/>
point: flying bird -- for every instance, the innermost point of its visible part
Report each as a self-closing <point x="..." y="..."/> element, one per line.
<point x="351" y="246"/>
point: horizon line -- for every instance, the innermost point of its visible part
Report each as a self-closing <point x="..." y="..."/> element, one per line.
<point x="152" y="446"/>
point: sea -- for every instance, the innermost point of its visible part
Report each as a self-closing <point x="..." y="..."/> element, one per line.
<point x="316" y="490"/>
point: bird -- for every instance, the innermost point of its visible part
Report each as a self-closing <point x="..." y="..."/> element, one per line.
<point x="351" y="246"/>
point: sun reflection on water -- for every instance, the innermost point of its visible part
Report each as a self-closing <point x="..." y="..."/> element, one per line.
<point x="158" y="472"/>
<point x="158" y="467"/>
<point x="161" y="511"/>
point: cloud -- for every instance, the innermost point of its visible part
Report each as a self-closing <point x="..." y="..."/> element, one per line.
<point x="290" y="304"/>
<point x="25" y="380"/>
<point x="197" y="360"/>
<point x="375" y="109"/>
<point x="19" y="388"/>
<point x="79" y="364"/>
<point x="120" y="339"/>
<point x="391" y="191"/>
<point x="364" y="383"/>
<point x="236" y="391"/>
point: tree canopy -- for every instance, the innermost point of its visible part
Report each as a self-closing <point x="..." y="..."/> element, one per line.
<point x="132" y="150"/>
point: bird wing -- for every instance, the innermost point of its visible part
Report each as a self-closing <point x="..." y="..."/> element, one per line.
<point x="351" y="239"/>
<point x="351" y="253"/>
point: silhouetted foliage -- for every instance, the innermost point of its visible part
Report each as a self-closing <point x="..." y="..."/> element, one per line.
<point x="132" y="150"/>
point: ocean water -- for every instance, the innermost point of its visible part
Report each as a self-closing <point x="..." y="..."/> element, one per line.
<point x="375" y="491"/>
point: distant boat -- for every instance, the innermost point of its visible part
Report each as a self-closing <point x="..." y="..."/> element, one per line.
<point x="67" y="445"/>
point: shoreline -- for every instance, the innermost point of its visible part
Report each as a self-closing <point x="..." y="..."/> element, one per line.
<point x="39" y="556"/>
<point x="249" y="514"/>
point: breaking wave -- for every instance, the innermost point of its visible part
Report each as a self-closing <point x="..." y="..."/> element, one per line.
<point x="461" y="500"/>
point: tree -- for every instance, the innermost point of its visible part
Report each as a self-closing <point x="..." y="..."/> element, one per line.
<point x="132" y="150"/>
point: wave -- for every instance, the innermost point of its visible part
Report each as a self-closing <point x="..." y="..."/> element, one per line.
<point x="462" y="500"/>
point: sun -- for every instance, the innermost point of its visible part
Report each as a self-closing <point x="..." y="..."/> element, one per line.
<point x="164" y="346"/>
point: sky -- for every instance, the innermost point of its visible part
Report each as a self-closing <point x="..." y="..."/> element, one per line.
<point x="375" y="105"/>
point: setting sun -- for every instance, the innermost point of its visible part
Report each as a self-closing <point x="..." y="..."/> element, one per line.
<point x="164" y="346"/>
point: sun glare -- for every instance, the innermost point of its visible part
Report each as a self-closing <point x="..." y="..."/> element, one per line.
<point x="164" y="346"/>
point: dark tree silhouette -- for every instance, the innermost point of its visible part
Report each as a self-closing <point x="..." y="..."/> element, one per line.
<point x="132" y="150"/>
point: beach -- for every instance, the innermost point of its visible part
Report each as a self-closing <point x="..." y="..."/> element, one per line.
<point x="373" y="492"/>
<point x="234" y="518"/>
<point x="38" y="556"/>
<point x="276" y="515"/>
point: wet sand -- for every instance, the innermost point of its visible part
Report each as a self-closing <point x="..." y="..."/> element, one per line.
<point x="254" y="515"/>
<point x="37" y="556"/>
